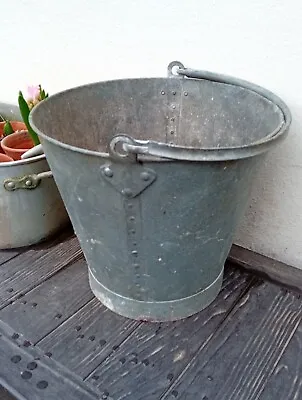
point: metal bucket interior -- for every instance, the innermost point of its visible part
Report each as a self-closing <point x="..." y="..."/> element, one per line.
<point x="194" y="113"/>
<point x="156" y="216"/>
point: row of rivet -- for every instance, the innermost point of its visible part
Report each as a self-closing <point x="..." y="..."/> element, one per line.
<point x="130" y="206"/>
<point x="12" y="185"/>
<point x="172" y="118"/>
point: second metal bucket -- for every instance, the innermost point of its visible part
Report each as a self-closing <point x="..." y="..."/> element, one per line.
<point x="31" y="208"/>
<point x="155" y="174"/>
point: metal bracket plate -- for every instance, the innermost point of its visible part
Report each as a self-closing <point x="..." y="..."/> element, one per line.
<point x="130" y="180"/>
<point x="25" y="182"/>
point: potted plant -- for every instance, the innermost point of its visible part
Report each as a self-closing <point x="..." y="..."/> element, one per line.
<point x="20" y="137"/>
<point x="8" y="127"/>
<point x="31" y="208"/>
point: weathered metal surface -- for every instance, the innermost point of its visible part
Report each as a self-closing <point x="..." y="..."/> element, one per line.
<point x="28" y="216"/>
<point x="156" y="247"/>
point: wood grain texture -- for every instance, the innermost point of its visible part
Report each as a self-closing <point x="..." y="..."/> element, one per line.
<point x="6" y="255"/>
<point x="267" y="268"/>
<point x="286" y="381"/>
<point x="47" y="306"/>
<point x="88" y="338"/>
<point x="22" y="273"/>
<point x="242" y="354"/>
<point x="30" y="375"/>
<point x="154" y="355"/>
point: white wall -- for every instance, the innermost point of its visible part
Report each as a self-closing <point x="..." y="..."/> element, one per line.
<point x="66" y="43"/>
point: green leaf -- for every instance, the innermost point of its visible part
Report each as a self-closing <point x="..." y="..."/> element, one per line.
<point x="24" y="110"/>
<point x="7" y="129"/>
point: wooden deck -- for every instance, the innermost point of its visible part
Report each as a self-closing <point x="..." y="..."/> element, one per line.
<point x="57" y="342"/>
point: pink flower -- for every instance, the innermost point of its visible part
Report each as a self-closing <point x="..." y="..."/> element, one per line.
<point x="33" y="92"/>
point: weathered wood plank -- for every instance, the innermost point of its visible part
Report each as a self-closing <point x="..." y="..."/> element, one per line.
<point x="6" y="255"/>
<point x="87" y="338"/>
<point x="267" y="268"/>
<point x="286" y="381"/>
<point x="22" y="273"/>
<point x="30" y="375"/>
<point x="50" y="304"/>
<point x="155" y="354"/>
<point x="242" y="354"/>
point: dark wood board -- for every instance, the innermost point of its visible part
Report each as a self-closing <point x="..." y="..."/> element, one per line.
<point x="286" y="381"/>
<point x="30" y="375"/>
<point x="267" y="268"/>
<point x="154" y="355"/>
<point x="88" y="338"/>
<point x="47" y="306"/>
<point x="242" y="354"/>
<point x="6" y="255"/>
<point x="29" y="269"/>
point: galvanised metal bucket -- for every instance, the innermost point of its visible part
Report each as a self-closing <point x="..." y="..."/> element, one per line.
<point x="31" y="208"/>
<point x="155" y="174"/>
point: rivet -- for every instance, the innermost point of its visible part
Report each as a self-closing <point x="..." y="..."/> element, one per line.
<point x="42" y="385"/>
<point x="172" y="119"/>
<point x="127" y="192"/>
<point x="26" y="375"/>
<point x="136" y="266"/>
<point x="173" y="106"/>
<point x="174" y="92"/>
<point x="10" y="185"/>
<point x="32" y="365"/>
<point x="134" y="252"/>
<point x="172" y="132"/>
<point x="15" y="359"/>
<point x="28" y="182"/>
<point x="163" y="92"/>
<point x="108" y="172"/>
<point x="186" y="93"/>
<point x="132" y="218"/>
<point x="145" y="176"/>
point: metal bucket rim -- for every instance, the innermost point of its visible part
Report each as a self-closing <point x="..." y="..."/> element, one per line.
<point x="22" y="162"/>
<point x="201" y="154"/>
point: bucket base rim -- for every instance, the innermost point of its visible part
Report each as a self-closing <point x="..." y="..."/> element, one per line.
<point x="155" y="311"/>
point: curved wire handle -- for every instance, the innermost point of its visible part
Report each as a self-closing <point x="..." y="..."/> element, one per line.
<point x="125" y="148"/>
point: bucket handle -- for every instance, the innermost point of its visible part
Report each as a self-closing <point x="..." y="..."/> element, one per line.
<point x="124" y="148"/>
<point x="26" y="182"/>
